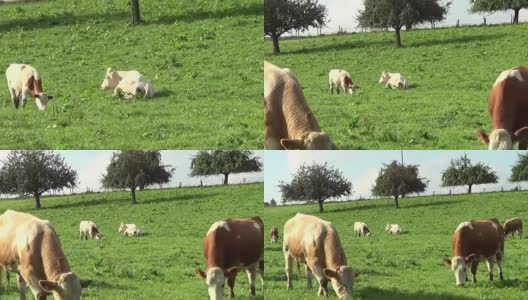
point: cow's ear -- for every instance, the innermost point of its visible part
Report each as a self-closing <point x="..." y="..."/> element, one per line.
<point x="85" y="283"/>
<point x="291" y="144"/>
<point x="484" y="138"/>
<point x="200" y="273"/>
<point x="521" y="134"/>
<point x="470" y="258"/>
<point x="446" y="262"/>
<point x="50" y="97"/>
<point x="48" y="286"/>
<point x="330" y="273"/>
<point x="231" y="271"/>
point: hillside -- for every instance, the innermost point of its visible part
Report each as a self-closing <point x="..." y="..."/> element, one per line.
<point x="407" y="266"/>
<point x="161" y="263"/>
<point x="203" y="58"/>
<point x="452" y="71"/>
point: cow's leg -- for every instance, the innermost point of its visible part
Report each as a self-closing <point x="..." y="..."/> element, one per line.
<point x="309" y="276"/>
<point x="261" y="271"/>
<point x="252" y="275"/>
<point x="520" y="233"/>
<point x="21" y="284"/>
<point x="337" y="89"/>
<point x="231" y="283"/>
<point x="489" y="263"/>
<point x="289" y="265"/>
<point x="32" y="281"/>
<point x="331" y="89"/>
<point x="14" y="97"/>
<point x="319" y="275"/>
<point x="500" y="264"/>
<point x="474" y="266"/>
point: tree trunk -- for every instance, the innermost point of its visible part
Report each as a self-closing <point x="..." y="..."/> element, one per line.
<point x="37" y="201"/>
<point x="469" y="189"/>
<point x="275" y="39"/>
<point x="321" y="209"/>
<point x="516" y="15"/>
<point x="396" y="201"/>
<point x="134" y="5"/>
<point x="133" y="192"/>
<point x="398" y="37"/>
<point x="226" y="177"/>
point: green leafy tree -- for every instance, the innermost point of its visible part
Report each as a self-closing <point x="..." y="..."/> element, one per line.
<point x="207" y="163"/>
<point x="396" y="180"/>
<point x="462" y="172"/>
<point x="273" y="202"/>
<point x="499" y="5"/>
<point x="136" y="170"/>
<point x="34" y="173"/>
<point x="519" y="171"/>
<point x="395" y="14"/>
<point x="316" y="183"/>
<point x="281" y="16"/>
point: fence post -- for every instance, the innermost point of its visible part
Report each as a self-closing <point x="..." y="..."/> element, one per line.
<point x="484" y="21"/>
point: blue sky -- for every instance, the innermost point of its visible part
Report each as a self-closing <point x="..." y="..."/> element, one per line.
<point x="362" y="167"/>
<point x="343" y="13"/>
<point x="91" y="164"/>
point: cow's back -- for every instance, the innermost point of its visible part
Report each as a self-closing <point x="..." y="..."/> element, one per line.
<point x="483" y="238"/>
<point x="508" y="100"/>
<point x="305" y="236"/>
<point x="18" y="75"/>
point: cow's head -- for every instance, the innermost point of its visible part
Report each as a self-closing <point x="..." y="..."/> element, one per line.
<point x="314" y="141"/>
<point x="122" y="228"/>
<point x="342" y="279"/>
<point x="500" y="139"/>
<point x="67" y="287"/>
<point x="42" y="100"/>
<point x="385" y="77"/>
<point x="215" y="279"/>
<point x="459" y="265"/>
<point x="388" y="227"/>
<point x="352" y="89"/>
<point x="111" y="80"/>
<point x="98" y="236"/>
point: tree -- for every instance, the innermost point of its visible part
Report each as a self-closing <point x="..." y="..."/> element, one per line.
<point x="519" y="171"/>
<point x="395" y="14"/>
<point x="396" y="180"/>
<point x="136" y="16"/>
<point x="207" y="163"/>
<point x="273" y="202"/>
<point x="136" y="169"/>
<point x="316" y="183"/>
<point x="281" y="16"/>
<point x="462" y="172"/>
<point x="499" y="5"/>
<point x="34" y="173"/>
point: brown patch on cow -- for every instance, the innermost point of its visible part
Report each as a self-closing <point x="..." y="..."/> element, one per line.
<point x="483" y="137"/>
<point x="348" y="81"/>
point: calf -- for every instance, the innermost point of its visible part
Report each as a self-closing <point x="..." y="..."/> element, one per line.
<point x="274" y="234"/>
<point x="113" y="78"/>
<point x="393" y="229"/>
<point x="512" y="226"/>
<point x="393" y="80"/>
<point x="341" y="78"/>
<point x="508" y="109"/>
<point x="23" y="81"/>
<point x="361" y="229"/>
<point x="315" y="242"/>
<point x="288" y="121"/>
<point x="89" y="229"/>
<point x="474" y="241"/>
<point x="230" y="246"/>
<point x="31" y="248"/>
<point x="129" y="229"/>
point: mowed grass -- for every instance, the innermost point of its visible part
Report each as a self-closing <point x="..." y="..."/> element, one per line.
<point x="451" y="72"/>
<point x="407" y="266"/>
<point x="158" y="265"/>
<point x="203" y="57"/>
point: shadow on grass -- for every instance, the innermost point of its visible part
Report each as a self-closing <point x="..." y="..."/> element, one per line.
<point x="164" y="93"/>
<point x="457" y="40"/>
<point x="273" y="249"/>
<point x="376" y="293"/>
<point x="339" y="46"/>
<point x="107" y="285"/>
<point x="185" y="197"/>
<point x="386" y="205"/>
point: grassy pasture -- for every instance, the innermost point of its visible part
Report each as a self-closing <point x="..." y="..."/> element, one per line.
<point x="203" y="57"/>
<point x="158" y="265"/>
<point x="407" y="266"/>
<point x="452" y="71"/>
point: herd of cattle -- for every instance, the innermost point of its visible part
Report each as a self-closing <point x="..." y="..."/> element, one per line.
<point x="289" y="123"/>
<point x="23" y="82"/>
<point x="316" y="243"/>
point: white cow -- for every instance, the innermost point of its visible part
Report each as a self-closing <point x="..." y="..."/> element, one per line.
<point x="393" y="80"/>
<point x="341" y="78"/>
<point x="113" y="78"/>
<point x="361" y="229"/>
<point x="129" y="229"/>
<point x="89" y="229"/>
<point x="133" y="85"/>
<point x="23" y="81"/>
<point x="393" y="229"/>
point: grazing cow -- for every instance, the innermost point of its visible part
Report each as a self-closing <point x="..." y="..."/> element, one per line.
<point x="361" y="229"/>
<point x="113" y="78"/>
<point x="512" y="226"/>
<point x="23" y="81"/>
<point x="230" y="246"/>
<point x="133" y="85"/>
<point x="89" y="229"/>
<point x="341" y="78"/>
<point x="474" y="241"/>
<point x="129" y="229"/>
<point x="393" y="229"/>
<point x="274" y="234"/>
<point x="508" y="108"/>
<point x="31" y="248"/>
<point x="393" y="80"/>
<point x="288" y="121"/>
<point x="315" y="242"/>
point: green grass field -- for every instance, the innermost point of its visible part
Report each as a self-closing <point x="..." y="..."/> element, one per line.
<point x="158" y="265"/>
<point x="203" y="57"/>
<point x="407" y="266"/>
<point x="452" y="70"/>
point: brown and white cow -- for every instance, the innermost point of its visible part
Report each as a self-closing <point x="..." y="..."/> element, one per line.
<point x="274" y="234"/>
<point x="288" y="121"/>
<point x="230" y="246"/>
<point x="508" y="108"/>
<point x="513" y="226"/>
<point x="474" y="241"/>
<point x="31" y="248"/>
<point x="89" y="229"/>
<point x="340" y="78"/>
<point x="315" y="242"/>
<point x="24" y="81"/>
